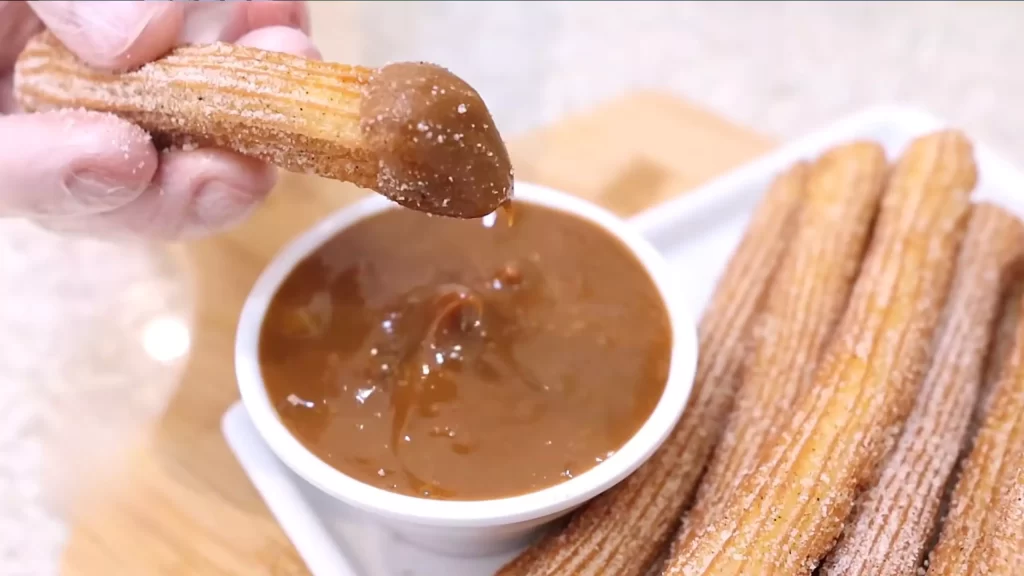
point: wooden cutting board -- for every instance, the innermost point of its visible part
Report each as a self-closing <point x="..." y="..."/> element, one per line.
<point x="181" y="504"/>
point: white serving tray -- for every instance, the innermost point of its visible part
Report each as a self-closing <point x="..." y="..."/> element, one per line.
<point x="696" y="232"/>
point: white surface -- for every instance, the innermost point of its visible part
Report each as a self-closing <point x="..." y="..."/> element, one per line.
<point x="782" y="68"/>
<point x="487" y="526"/>
<point x="696" y="232"/>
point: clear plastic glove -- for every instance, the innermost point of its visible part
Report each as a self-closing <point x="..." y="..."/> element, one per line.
<point x="78" y="171"/>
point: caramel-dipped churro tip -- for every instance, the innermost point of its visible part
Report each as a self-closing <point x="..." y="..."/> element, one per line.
<point x="413" y="132"/>
<point x="438" y="149"/>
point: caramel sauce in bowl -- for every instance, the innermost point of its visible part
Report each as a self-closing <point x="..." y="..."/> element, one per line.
<point x="481" y="519"/>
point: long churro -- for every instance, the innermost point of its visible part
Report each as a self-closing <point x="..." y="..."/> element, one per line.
<point x="787" y="513"/>
<point x="622" y="531"/>
<point x="1004" y="546"/>
<point x="804" y="304"/>
<point x="1004" y="342"/>
<point x="413" y="132"/>
<point x="974" y="539"/>
<point x="897" y="516"/>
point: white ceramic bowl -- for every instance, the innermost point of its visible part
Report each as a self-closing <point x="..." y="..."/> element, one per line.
<point x="470" y="527"/>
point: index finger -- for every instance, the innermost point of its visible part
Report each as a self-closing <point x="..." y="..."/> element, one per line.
<point x="114" y="35"/>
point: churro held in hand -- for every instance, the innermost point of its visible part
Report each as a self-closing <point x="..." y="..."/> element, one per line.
<point x="889" y="533"/>
<point x="787" y="513"/>
<point x="622" y="531"/>
<point x="413" y="132"/>
<point x="984" y="531"/>
<point x="804" y="304"/>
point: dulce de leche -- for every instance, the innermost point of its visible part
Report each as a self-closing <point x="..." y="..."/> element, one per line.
<point x="466" y="359"/>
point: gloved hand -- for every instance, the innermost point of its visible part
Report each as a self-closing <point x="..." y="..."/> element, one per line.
<point x="86" y="172"/>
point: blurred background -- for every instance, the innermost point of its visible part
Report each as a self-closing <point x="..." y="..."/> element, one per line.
<point x="94" y="334"/>
<point x="780" y="68"/>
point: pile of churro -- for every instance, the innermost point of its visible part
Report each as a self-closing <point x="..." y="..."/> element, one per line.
<point x="859" y="402"/>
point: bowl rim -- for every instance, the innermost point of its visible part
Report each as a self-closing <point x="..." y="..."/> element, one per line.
<point x="469" y="513"/>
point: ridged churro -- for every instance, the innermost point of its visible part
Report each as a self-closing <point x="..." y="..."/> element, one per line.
<point x="413" y="132"/>
<point x="788" y="512"/>
<point x="1004" y="341"/>
<point x="804" y="304"/>
<point x="622" y="531"/>
<point x="983" y="533"/>
<point x="896" y="517"/>
<point x="1004" y="546"/>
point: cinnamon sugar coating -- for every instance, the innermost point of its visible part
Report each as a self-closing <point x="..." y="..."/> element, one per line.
<point x="413" y="132"/>
<point x="984" y="531"/>
<point x="804" y="304"/>
<point x="896" y="517"/>
<point x="787" y="513"/>
<point x="623" y="531"/>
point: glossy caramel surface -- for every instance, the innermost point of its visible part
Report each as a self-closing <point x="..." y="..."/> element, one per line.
<point x="466" y="359"/>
